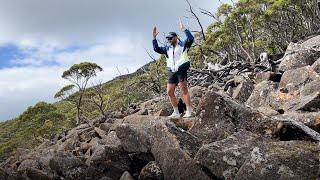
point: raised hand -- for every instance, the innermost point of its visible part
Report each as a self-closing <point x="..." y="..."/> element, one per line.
<point x="155" y="32"/>
<point x="182" y="27"/>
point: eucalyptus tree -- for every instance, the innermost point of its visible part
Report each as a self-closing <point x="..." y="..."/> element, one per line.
<point x="79" y="75"/>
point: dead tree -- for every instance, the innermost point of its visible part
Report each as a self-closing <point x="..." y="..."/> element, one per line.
<point x="197" y="18"/>
<point x="96" y="98"/>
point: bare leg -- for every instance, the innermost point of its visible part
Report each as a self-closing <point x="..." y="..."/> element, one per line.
<point x="184" y="89"/>
<point x="170" y="92"/>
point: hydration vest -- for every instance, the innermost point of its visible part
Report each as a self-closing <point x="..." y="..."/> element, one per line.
<point x="176" y="56"/>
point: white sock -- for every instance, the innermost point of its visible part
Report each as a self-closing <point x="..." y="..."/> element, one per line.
<point x="176" y="110"/>
<point x="189" y="108"/>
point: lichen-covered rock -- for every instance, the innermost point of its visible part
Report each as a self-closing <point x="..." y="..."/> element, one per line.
<point x="184" y="123"/>
<point x="105" y="126"/>
<point x="69" y="166"/>
<point x="293" y="79"/>
<point x="220" y="116"/>
<point x="260" y="94"/>
<point x="312" y="42"/>
<point x="141" y="120"/>
<point x="243" y="91"/>
<point x="224" y="158"/>
<point x="309" y="103"/>
<point x="159" y="106"/>
<point x="28" y="163"/>
<point x="310" y="88"/>
<point x="151" y="171"/>
<point x="282" y="100"/>
<point x="316" y="66"/>
<point x="310" y="119"/>
<point x="289" y="102"/>
<point x="111" y="140"/>
<point x="38" y="174"/>
<point x="268" y="111"/>
<point x="133" y="138"/>
<point x="196" y="92"/>
<point x="101" y="133"/>
<point x="117" y="114"/>
<point x="299" y="55"/>
<point x="173" y="155"/>
<point x="109" y="158"/>
<point x="68" y="144"/>
<point x="282" y="160"/>
<point x="297" y="90"/>
<point x="187" y="141"/>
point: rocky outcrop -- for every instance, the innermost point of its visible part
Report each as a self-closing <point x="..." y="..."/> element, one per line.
<point x="253" y="121"/>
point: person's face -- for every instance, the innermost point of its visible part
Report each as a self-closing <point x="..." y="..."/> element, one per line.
<point x="173" y="40"/>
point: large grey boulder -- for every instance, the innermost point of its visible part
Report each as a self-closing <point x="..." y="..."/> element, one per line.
<point x="299" y="55"/>
<point x="174" y="158"/>
<point x="69" y="166"/>
<point x="109" y="158"/>
<point x="297" y="90"/>
<point x="221" y="116"/>
<point x="224" y="158"/>
<point x="134" y="138"/>
<point x="172" y="148"/>
<point x="292" y="80"/>
<point x="159" y="106"/>
<point x="196" y="93"/>
<point x="282" y="160"/>
<point x="243" y="91"/>
<point x="258" y="97"/>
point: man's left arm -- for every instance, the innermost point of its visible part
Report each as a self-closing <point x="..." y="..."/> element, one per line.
<point x="188" y="42"/>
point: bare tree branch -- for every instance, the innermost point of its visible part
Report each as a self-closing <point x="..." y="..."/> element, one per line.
<point x="151" y="56"/>
<point x="194" y="14"/>
<point x="118" y="71"/>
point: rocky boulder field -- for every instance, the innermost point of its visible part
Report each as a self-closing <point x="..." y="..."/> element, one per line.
<point x="254" y="125"/>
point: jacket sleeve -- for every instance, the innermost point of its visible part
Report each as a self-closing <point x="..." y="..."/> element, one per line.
<point x="156" y="48"/>
<point x="188" y="42"/>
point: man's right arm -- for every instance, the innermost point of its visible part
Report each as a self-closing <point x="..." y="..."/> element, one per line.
<point x="156" y="48"/>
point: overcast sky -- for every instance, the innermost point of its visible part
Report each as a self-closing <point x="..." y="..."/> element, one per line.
<point x="39" y="39"/>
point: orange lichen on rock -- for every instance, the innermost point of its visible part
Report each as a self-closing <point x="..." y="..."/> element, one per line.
<point x="283" y="96"/>
<point x="317" y="121"/>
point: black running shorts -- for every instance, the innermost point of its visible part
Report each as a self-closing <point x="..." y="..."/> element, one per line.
<point x="180" y="75"/>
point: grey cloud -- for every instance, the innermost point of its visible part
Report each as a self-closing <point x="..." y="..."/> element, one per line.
<point x="84" y="20"/>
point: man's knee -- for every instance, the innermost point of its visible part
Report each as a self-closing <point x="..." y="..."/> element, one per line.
<point x="184" y="87"/>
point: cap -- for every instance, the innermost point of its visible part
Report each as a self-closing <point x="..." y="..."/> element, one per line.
<point x="171" y="34"/>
